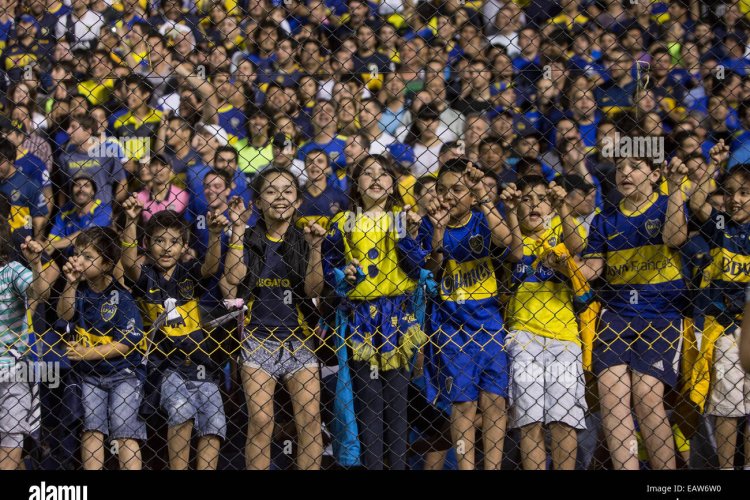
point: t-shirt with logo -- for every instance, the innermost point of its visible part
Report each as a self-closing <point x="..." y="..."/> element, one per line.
<point x="105" y="317"/>
<point x="106" y="170"/>
<point x="643" y="276"/>
<point x="273" y="310"/>
<point x="728" y="273"/>
<point x="542" y="302"/>
<point x="469" y="303"/>
<point x="322" y="207"/>
<point x="179" y="342"/>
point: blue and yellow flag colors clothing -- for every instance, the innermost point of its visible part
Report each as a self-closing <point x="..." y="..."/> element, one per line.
<point x="543" y="301"/>
<point x="180" y="343"/>
<point x="105" y="317"/>
<point x="18" y="56"/>
<point x="468" y="294"/>
<point x="68" y="221"/>
<point x="334" y="149"/>
<point x="613" y="99"/>
<point x="138" y="135"/>
<point x="234" y="121"/>
<point x="724" y="281"/>
<point x="33" y="166"/>
<point x="386" y="258"/>
<point x="728" y="273"/>
<point x="272" y="311"/>
<point x="26" y="200"/>
<point x="643" y="275"/>
<point x="382" y="323"/>
<point x="322" y="207"/>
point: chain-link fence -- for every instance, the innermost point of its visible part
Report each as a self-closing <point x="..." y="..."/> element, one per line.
<point x="403" y="234"/>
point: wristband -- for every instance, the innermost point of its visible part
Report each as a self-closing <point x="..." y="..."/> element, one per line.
<point x="234" y="246"/>
<point x="128" y="244"/>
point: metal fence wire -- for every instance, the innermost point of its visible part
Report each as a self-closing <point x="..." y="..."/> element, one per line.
<point x="400" y="234"/>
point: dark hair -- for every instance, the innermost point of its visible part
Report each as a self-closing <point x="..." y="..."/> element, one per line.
<point x="159" y="159"/>
<point x="530" y="181"/>
<point x="226" y="149"/>
<point x="526" y="164"/>
<point x="421" y="183"/>
<point x="142" y="84"/>
<point x="394" y="199"/>
<point x="87" y="122"/>
<point x="262" y="176"/>
<point x="219" y="173"/>
<point x="166" y="219"/>
<point x="455" y="165"/>
<point x="742" y="170"/>
<point x="320" y="151"/>
<point x="7" y="150"/>
<point x="105" y="241"/>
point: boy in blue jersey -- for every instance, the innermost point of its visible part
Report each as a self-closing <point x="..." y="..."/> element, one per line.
<point x="465" y="363"/>
<point x="633" y="247"/>
<point x="326" y="138"/>
<point x="321" y="199"/>
<point x="108" y="352"/>
<point x="720" y="386"/>
<point x="166" y="285"/>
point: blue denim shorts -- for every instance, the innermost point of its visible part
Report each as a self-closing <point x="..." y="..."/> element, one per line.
<point x="184" y="399"/>
<point x="111" y="405"/>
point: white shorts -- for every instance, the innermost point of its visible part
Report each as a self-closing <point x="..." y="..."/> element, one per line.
<point x="15" y="413"/>
<point x="546" y="381"/>
<point x="730" y="385"/>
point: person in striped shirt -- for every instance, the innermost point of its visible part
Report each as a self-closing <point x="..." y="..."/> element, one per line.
<point x="20" y="290"/>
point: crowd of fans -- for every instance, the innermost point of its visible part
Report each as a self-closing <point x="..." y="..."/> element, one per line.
<point x="439" y="217"/>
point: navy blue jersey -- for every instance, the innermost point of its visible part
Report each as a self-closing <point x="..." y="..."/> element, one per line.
<point x="728" y="273"/>
<point x="468" y="287"/>
<point x="273" y="310"/>
<point x="105" y="317"/>
<point x="643" y="275"/>
<point x="322" y="207"/>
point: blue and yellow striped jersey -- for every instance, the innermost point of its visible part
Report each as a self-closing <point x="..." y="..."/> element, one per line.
<point x="468" y="286"/>
<point x="643" y="275"/>
<point x="106" y="317"/>
<point x="728" y="273"/>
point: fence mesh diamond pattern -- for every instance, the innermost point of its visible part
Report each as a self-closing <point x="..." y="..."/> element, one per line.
<point x="387" y="234"/>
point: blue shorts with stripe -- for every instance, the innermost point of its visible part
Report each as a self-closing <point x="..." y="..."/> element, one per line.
<point x="650" y="346"/>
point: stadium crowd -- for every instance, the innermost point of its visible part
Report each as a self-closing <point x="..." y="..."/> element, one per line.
<point x="396" y="234"/>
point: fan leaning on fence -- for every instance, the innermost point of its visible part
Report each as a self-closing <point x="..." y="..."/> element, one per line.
<point x="179" y="348"/>
<point x="277" y="269"/>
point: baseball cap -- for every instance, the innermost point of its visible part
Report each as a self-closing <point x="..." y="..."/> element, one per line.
<point x="84" y="175"/>
<point x="219" y="133"/>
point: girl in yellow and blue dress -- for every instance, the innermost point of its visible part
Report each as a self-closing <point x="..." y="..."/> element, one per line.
<point x="373" y="249"/>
